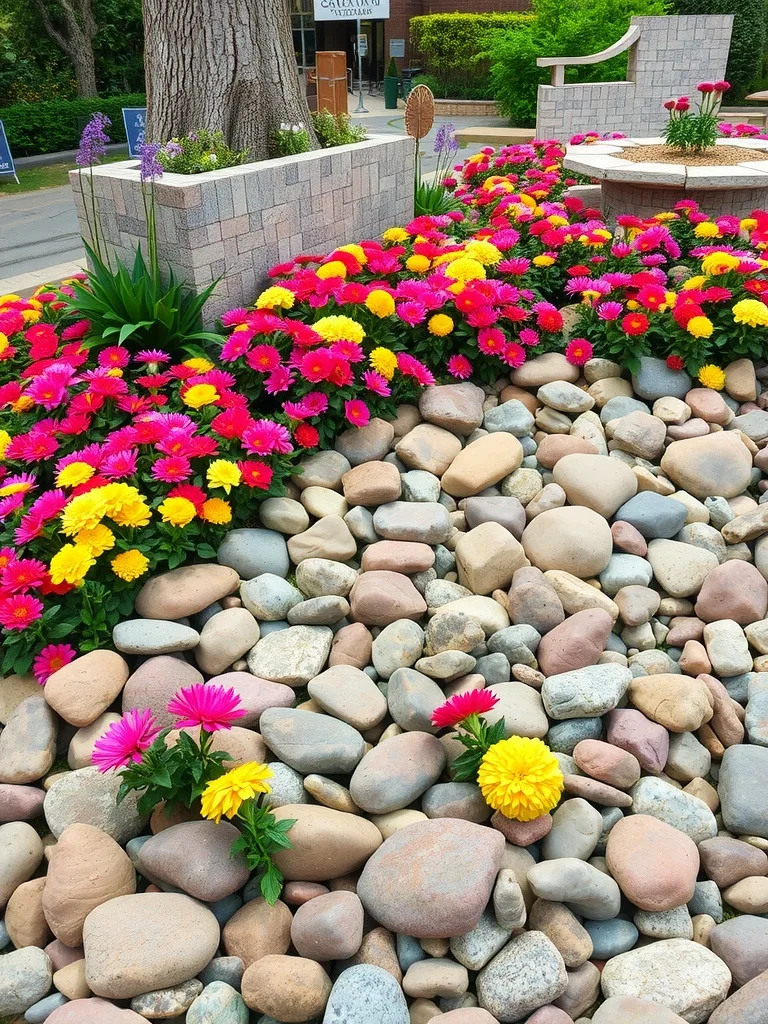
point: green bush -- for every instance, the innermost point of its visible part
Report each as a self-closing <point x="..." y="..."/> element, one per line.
<point x="746" y="60"/>
<point x="55" y="125"/>
<point x="199" y="151"/>
<point x="451" y="47"/>
<point x="337" y="130"/>
<point x="575" y="29"/>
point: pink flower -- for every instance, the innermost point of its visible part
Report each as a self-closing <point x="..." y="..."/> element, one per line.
<point x="76" y="330"/>
<point x="377" y="383"/>
<point x="578" y="351"/>
<point x="125" y="741"/>
<point x="316" y="402"/>
<point x="357" y="412"/>
<point x="349" y="350"/>
<point x="114" y="355"/>
<point x="514" y="354"/>
<point x="22" y="574"/>
<point x="459" y="367"/>
<point x="529" y="337"/>
<point x="296" y="410"/>
<point x="235" y="346"/>
<point x="610" y="310"/>
<point x="152" y="355"/>
<point x="265" y="436"/>
<point x="412" y="313"/>
<point x="209" y="706"/>
<point x="50" y="660"/>
<point x="233" y="317"/>
<point x="279" y="380"/>
<point x="491" y="341"/>
<point x="119" y="465"/>
<point x="172" y="469"/>
<point x="262" y="358"/>
<point x="409" y="366"/>
<point x="317" y="365"/>
<point x="19" y="611"/>
<point x="456" y="709"/>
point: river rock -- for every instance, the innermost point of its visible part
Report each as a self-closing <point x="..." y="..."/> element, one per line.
<point x="292" y="656"/>
<point x="396" y="772"/>
<point x="411" y="698"/>
<point x="146" y="637"/>
<point x="25" y="978"/>
<point x="575" y="643"/>
<point x="225" y="637"/>
<point x="28" y="741"/>
<point x="381" y="597"/>
<point x="684" y="812"/>
<point x="218" y="1003"/>
<point x="155" y="682"/>
<point x="726" y="860"/>
<point x="585" y="692"/>
<point x="529" y="972"/>
<point x="743" y="790"/>
<point x="573" y="538"/>
<point x="581" y="886"/>
<point x="325" y="843"/>
<point x="482" y="463"/>
<point x="291" y="987"/>
<point x="595" y="481"/>
<point x="184" y="591"/>
<point x="718" y="464"/>
<point x="680" y="568"/>
<point x="90" y="797"/>
<point x="742" y="944"/>
<point x="455" y="407"/>
<point x="366" y="993"/>
<point x="312" y="743"/>
<point x="349" y="694"/>
<point x="329" y="927"/>
<point x="211" y="874"/>
<point x="21" y="851"/>
<point x="655" y="864"/>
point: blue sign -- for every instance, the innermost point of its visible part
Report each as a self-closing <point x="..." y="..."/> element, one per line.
<point x="6" y="160"/>
<point x="135" y="121"/>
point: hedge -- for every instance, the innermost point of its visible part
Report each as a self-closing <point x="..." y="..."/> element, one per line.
<point x="54" y="125"/>
<point x="450" y="45"/>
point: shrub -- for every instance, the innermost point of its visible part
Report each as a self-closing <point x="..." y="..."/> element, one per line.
<point x="451" y="46"/>
<point x="570" y="30"/>
<point x="392" y="71"/>
<point x="746" y="60"/>
<point x="49" y="127"/>
<point x="337" y="130"/>
<point x="199" y="151"/>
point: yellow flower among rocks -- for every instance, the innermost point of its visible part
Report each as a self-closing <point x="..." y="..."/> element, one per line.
<point x="751" y="312"/>
<point x="711" y="376"/>
<point x="521" y="778"/>
<point x="177" y="511"/>
<point x="223" y="473"/>
<point x="440" y="325"/>
<point x="224" y="796"/>
<point x="130" y="565"/>
<point x="216" y="511"/>
<point x="384" y="361"/>
<point x="70" y="564"/>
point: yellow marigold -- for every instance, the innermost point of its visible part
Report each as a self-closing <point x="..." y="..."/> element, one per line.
<point x="528" y="201"/>
<point x="447" y="257"/>
<point x="339" y="328"/>
<point x="395" y="235"/>
<point x="418" y="264"/>
<point x="217" y="511"/>
<point x="225" y="795"/>
<point x="97" y="539"/>
<point x="5" y="440"/>
<point x="543" y="261"/>
<point x="74" y="474"/>
<point x="71" y="563"/>
<point x="31" y="316"/>
<point x="4" y="343"/>
<point x="6" y="299"/>
<point x="35" y="303"/>
<point x="557" y="221"/>
<point x="711" y="376"/>
<point x="719" y="263"/>
<point x="457" y="287"/>
<point x="665" y="216"/>
<point x="693" y="283"/>
<point x="380" y="303"/>
<point x="134" y="515"/>
<point x="521" y="778"/>
<point x="440" y="324"/>
<point x="707" y="230"/>
<point x="84" y="512"/>
<point x="752" y="312"/>
<point x="355" y="250"/>
<point x="199" y="363"/>
<point x="700" y="327"/>
<point x="129" y="565"/>
<point x="384" y="361"/>
<point x="276" y="297"/>
<point x="333" y="269"/>
<point x="222" y="473"/>
<point x="177" y="511"/>
<point x="746" y="224"/>
<point x="484" y="252"/>
<point x="671" y="300"/>
<point x="199" y="395"/>
<point x="465" y="269"/>
<point x="633" y="304"/>
<point x="23" y="404"/>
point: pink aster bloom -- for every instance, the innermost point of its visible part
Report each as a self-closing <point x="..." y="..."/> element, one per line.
<point x="529" y="337"/>
<point x="377" y="383"/>
<point x="265" y="436"/>
<point x="316" y="402"/>
<point x="235" y="346"/>
<point x="76" y="330"/>
<point x="152" y="355"/>
<point x="171" y="469"/>
<point x="357" y="412"/>
<point x="51" y="659"/>
<point x="514" y="354"/>
<point x="23" y="574"/>
<point x="455" y="710"/>
<point x="412" y="312"/>
<point x="348" y="350"/>
<point x="18" y="611"/>
<point x="296" y="410"/>
<point x="234" y="316"/>
<point x="578" y="351"/>
<point x="209" y="706"/>
<point x="262" y="358"/>
<point x="125" y="741"/>
<point x="460" y="367"/>
<point x="121" y="464"/>
<point x="113" y="355"/>
<point x="279" y="380"/>
<point x="409" y="366"/>
<point x="610" y="310"/>
<point x="491" y="341"/>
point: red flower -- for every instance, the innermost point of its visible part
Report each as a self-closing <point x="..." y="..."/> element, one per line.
<point x="306" y="436"/>
<point x="256" y="474"/>
<point x="635" y="323"/>
<point x="456" y="709"/>
<point x="674" y="362"/>
<point x="578" y="351"/>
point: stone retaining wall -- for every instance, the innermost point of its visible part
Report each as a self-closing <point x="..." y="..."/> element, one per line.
<point x="644" y="201"/>
<point x="466" y="108"/>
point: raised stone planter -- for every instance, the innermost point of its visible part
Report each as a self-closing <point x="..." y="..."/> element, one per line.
<point x="238" y="222"/>
<point x="644" y="189"/>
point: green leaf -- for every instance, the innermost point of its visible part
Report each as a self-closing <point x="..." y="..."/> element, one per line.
<point x="272" y="884"/>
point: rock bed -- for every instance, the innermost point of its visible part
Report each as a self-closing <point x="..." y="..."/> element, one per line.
<point x="593" y="549"/>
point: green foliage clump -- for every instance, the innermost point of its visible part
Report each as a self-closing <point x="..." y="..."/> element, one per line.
<point x="392" y="71"/>
<point x="199" y="151"/>
<point x="452" y="48"/>
<point x="746" y="59"/>
<point x="576" y="29"/>
<point x="337" y="130"/>
<point x="55" y="125"/>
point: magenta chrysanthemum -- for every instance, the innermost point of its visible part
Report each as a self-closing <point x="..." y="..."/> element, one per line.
<point x="125" y="741"/>
<point x="51" y="659"/>
<point x="456" y="709"/>
<point x="211" y="707"/>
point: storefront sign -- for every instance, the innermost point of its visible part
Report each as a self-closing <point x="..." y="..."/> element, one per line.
<point x="396" y="47"/>
<point x="350" y="10"/>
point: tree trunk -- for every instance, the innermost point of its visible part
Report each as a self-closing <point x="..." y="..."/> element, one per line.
<point x="73" y="31"/>
<point x="223" y="65"/>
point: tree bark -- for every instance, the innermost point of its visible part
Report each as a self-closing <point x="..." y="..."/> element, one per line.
<point x="74" y="34"/>
<point x="223" y="65"/>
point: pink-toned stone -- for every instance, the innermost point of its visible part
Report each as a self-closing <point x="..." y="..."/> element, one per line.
<point x="62" y="955"/>
<point x="550" y="1015"/>
<point x="727" y="860"/>
<point x="379" y="949"/>
<point x="256" y="694"/>
<point x="531" y="402"/>
<point x="596" y="792"/>
<point x="683" y="628"/>
<point x="691" y="428"/>
<point x="734" y="590"/>
<point x="20" y="803"/>
<point x="726" y="722"/>
<point x="709" y="405"/>
<point x="607" y="763"/>
<point x="257" y="930"/>
<point x="24" y="917"/>
<point x="556" y="446"/>
<point x="397" y="555"/>
<point x="371" y="483"/>
<point x="185" y="591"/>
<point x="93" y="1011"/>
<point x="378" y="598"/>
<point x="84" y="689"/>
<point x="647" y="740"/>
<point x="455" y="407"/>
<point x="522" y="833"/>
<point x="352" y="646"/>
<point x="296" y="894"/>
<point x="628" y="538"/>
<point x="329" y="927"/>
<point x="470" y="1015"/>
<point x="575" y="643"/>
<point x="694" y="658"/>
<point x="654" y="864"/>
<point x="153" y="684"/>
<point x="641" y="434"/>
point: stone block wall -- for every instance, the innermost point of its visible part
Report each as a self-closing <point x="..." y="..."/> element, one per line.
<point x="238" y="222"/>
<point x="670" y="57"/>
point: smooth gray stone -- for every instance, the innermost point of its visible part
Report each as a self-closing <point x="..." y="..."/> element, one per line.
<point x="518" y="643"/>
<point x="563" y="736"/>
<point x="620" y="406"/>
<point x="512" y="417"/>
<point x="654" y="379"/>
<point x="653" y="515"/>
<point x="528" y="972"/>
<point x="419" y="485"/>
<point x="508" y="512"/>
<point x="228" y="969"/>
<point x="251" y="552"/>
<point x="681" y="810"/>
<point x="409" y="951"/>
<point x="584" y="888"/>
<point x="412" y="697"/>
<point x="218" y="1003"/>
<point x="624" y="570"/>
<point x="39" y="1012"/>
<point x="225" y="908"/>
<point x="312" y="743"/>
<point x="585" y="692"/>
<point x="153" y="636"/>
<point x="25" y="978"/>
<point x="610" y="938"/>
<point x="494" y="668"/>
<point x="738" y="686"/>
<point x="706" y="899"/>
<point x="363" y="994"/>
<point x="743" y="790"/>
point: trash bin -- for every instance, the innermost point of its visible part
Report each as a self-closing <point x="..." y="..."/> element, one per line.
<point x="390" y="92"/>
<point x="408" y="75"/>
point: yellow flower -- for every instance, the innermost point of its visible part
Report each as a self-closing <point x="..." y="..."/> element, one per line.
<point x="484" y="252"/>
<point x="31" y="316"/>
<point x="395" y="235"/>
<point x="418" y="264"/>
<point x="199" y="395"/>
<point x="333" y="269"/>
<point x="693" y="283"/>
<point x="700" y="327"/>
<point x="521" y="778"/>
<point x="5" y="440"/>
<point x="134" y="515"/>
<point x="177" y="511"/>
<point x="380" y="303"/>
<point x="707" y="230"/>
<point x="711" y="376"/>
<point x="73" y="474"/>
<point x="22" y="404"/>
<point x="225" y="795"/>
<point x="276" y="297"/>
<point x="84" y="512"/>
<point x="217" y="511"/>
<point x="199" y="363"/>
<point x="222" y="473"/>
<point x="384" y="362"/>
<point x="130" y="565"/>
<point x="719" y="263"/>
<point x="543" y="261"/>
<point x="665" y="216"/>
<point x="465" y="269"/>
<point x="117" y="495"/>
<point x="339" y="328"/>
<point x="4" y="343"/>
<point x="747" y="224"/>
<point x="752" y="312"/>
<point x="355" y="250"/>
<point x="528" y="201"/>
<point x="71" y="563"/>
<point x="440" y="325"/>
<point x="6" y="299"/>
<point x="97" y="539"/>
<point x="557" y="221"/>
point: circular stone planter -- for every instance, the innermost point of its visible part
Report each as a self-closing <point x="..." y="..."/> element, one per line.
<point x="647" y="188"/>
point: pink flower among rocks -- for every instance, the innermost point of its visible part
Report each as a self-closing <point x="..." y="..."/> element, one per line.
<point x="265" y="436"/>
<point x="51" y="659"/>
<point x="460" y="367"/>
<point x="458" y="708"/>
<point x="125" y="741"/>
<point x="210" y="707"/>
<point x="377" y="383"/>
<point x="357" y="412"/>
<point x="19" y="611"/>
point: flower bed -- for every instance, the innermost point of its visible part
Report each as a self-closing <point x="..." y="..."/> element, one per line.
<point x="513" y="602"/>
